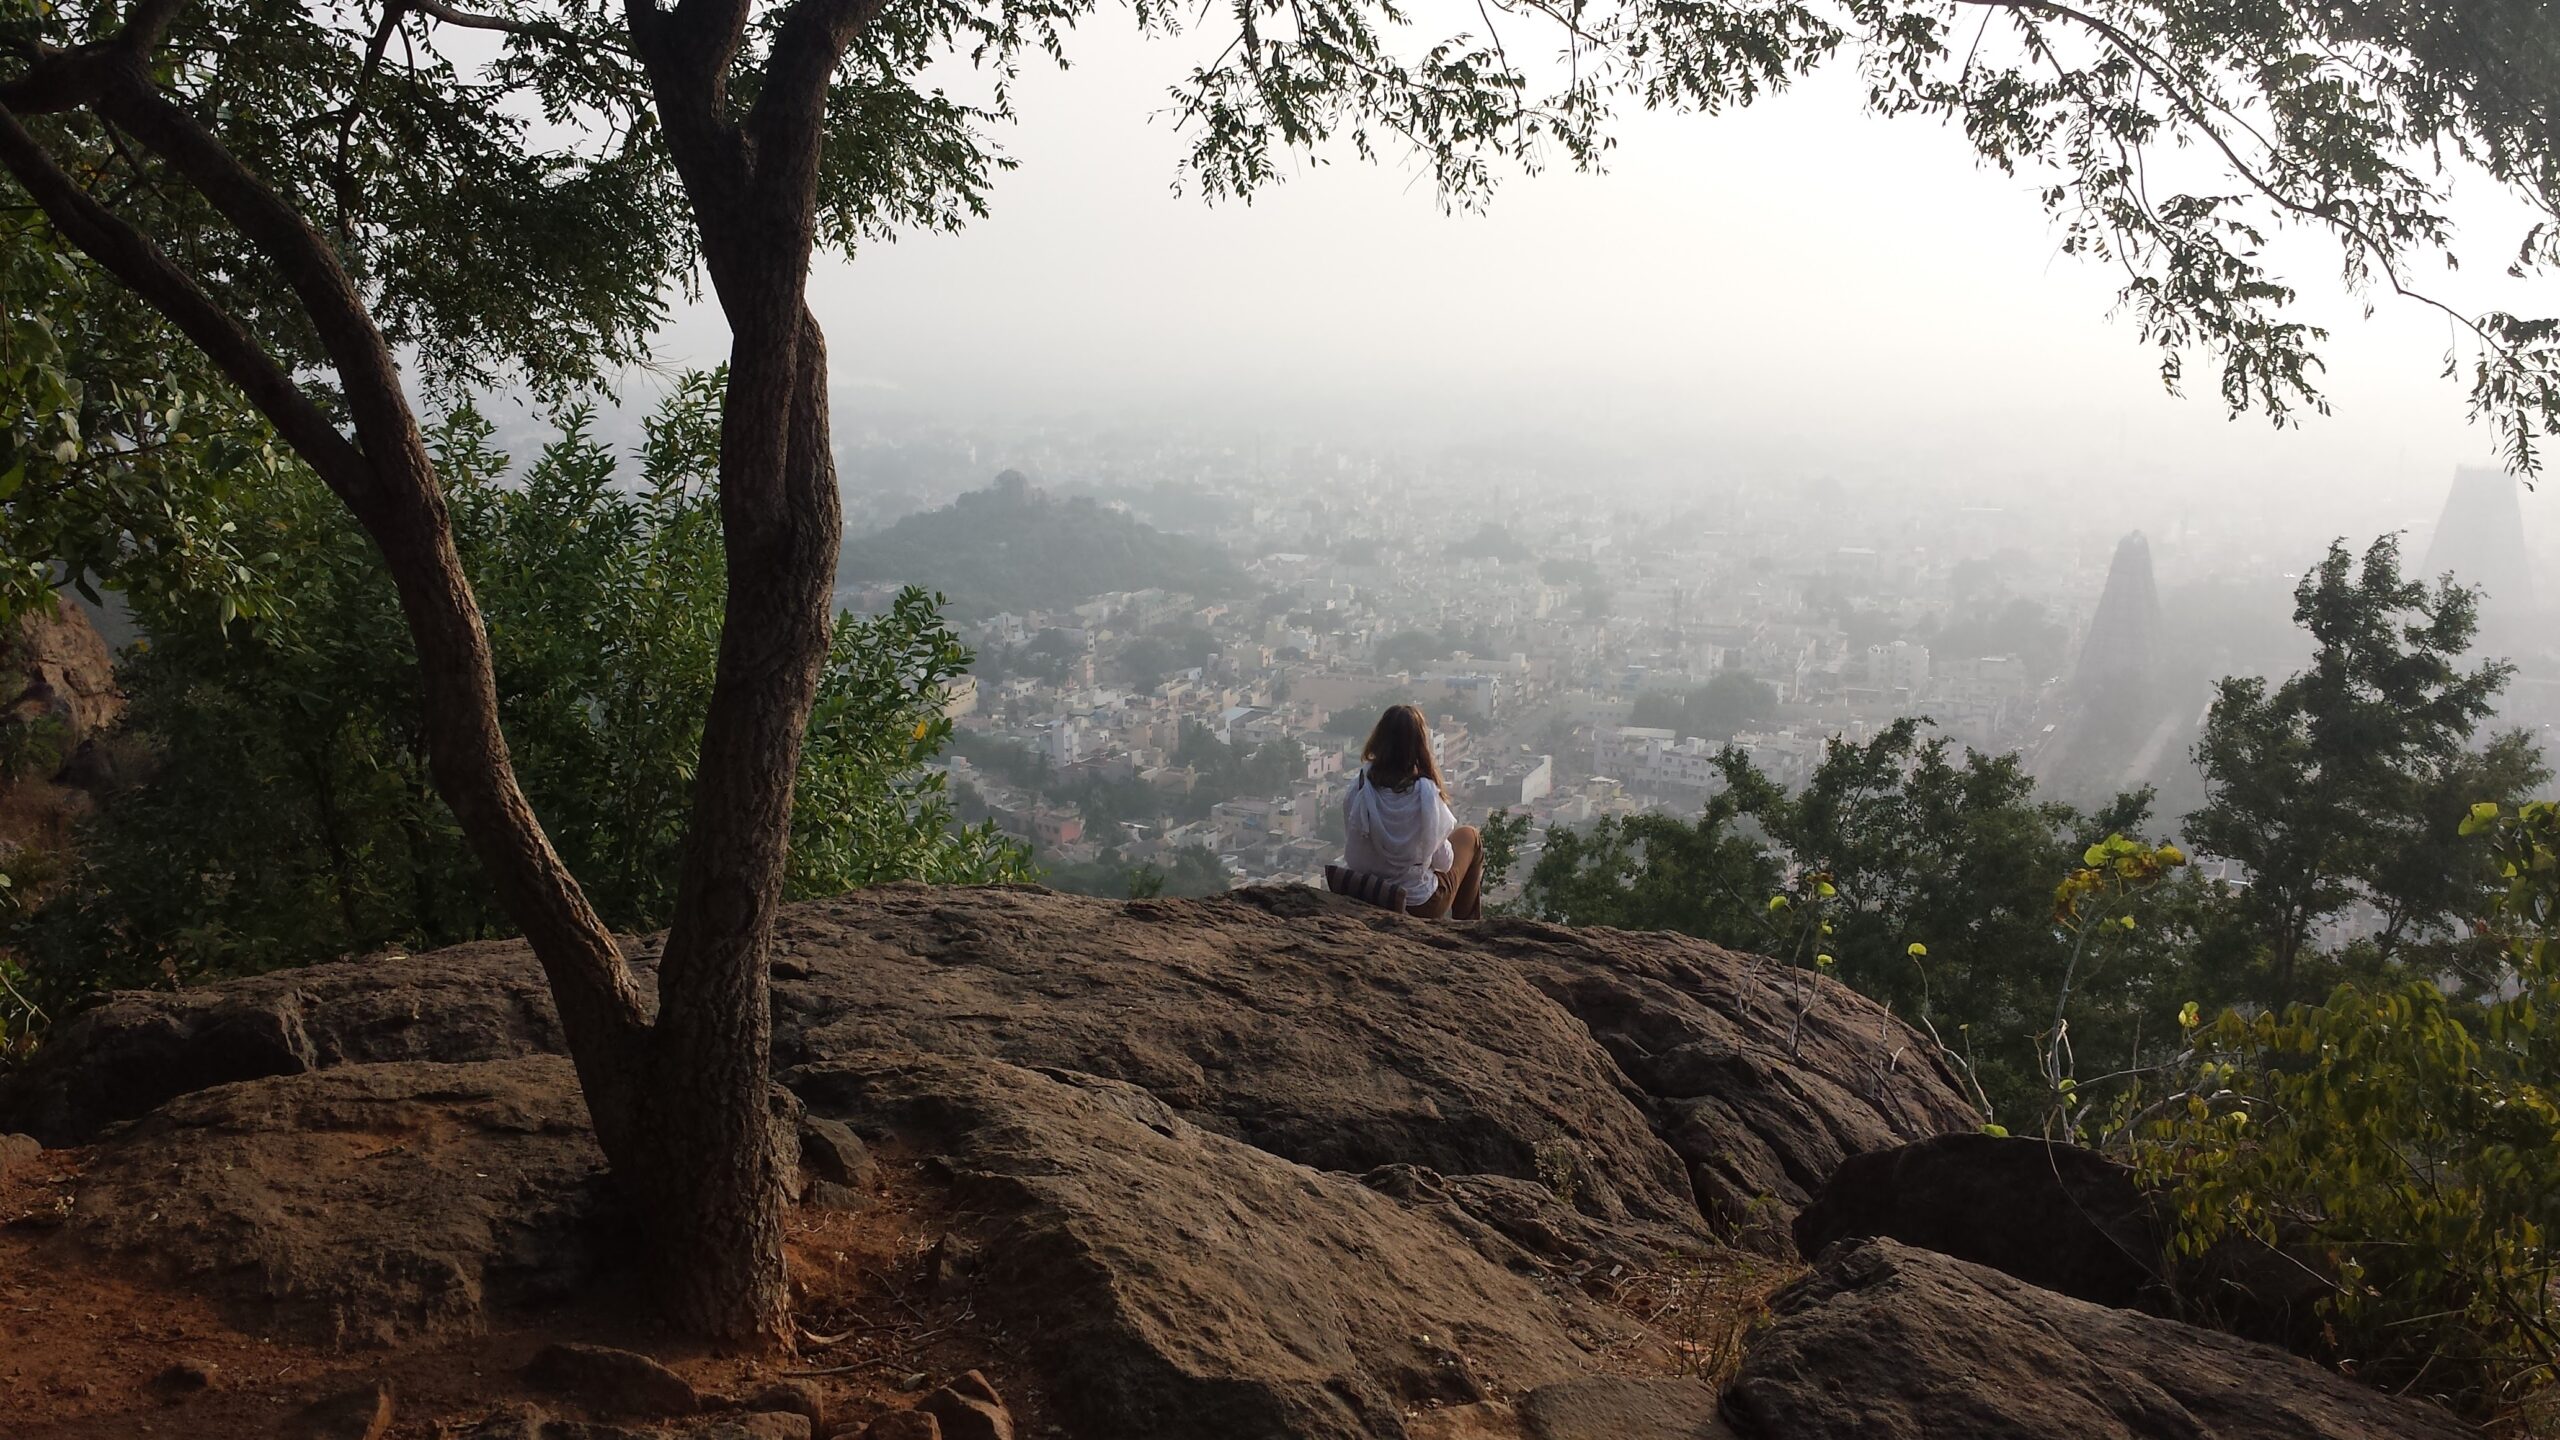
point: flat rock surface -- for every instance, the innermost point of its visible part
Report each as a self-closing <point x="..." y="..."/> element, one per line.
<point x="1327" y="1033"/>
<point x="360" y="1205"/>
<point x="1198" y="1288"/>
<point x="1884" y="1342"/>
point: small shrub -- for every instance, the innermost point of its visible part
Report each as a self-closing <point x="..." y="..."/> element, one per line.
<point x="1559" y="1169"/>
<point x="32" y="746"/>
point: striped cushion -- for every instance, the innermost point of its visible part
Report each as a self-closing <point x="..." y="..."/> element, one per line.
<point x="1360" y="885"/>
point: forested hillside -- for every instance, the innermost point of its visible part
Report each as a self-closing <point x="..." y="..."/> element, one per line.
<point x="1013" y="546"/>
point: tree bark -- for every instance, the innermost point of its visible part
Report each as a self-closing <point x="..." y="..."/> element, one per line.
<point x="717" y="1194"/>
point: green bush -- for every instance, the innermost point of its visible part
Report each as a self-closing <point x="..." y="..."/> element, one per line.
<point x="2405" y="1143"/>
<point x="31" y="745"/>
<point x="288" y="817"/>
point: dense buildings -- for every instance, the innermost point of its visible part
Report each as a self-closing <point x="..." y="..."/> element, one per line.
<point x="1579" y="657"/>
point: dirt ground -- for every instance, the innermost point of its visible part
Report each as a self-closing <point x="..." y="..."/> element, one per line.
<point x="84" y="1347"/>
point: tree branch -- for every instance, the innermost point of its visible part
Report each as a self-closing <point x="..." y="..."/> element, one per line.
<point x="138" y="263"/>
<point x="2358" y="238"/>
<point x="687" y="53"/>
<point x="342" y="181"/>
<point x="529" y="29"/>
<point x="363" y="360"/>
<point x="790" y="110"/>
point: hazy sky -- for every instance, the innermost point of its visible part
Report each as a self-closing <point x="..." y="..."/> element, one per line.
<point x="1799" y="288"/>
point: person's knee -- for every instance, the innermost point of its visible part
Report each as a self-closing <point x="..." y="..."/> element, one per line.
<point x="1466" y="835"/>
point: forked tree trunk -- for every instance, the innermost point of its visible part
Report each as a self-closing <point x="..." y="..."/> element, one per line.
<point x="679" y="1099"/>
<point x="711" y="1169"/>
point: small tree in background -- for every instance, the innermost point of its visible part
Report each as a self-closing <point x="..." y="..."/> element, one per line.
<point x="2349" y="781"/>
<point x="2400" y="1143"/>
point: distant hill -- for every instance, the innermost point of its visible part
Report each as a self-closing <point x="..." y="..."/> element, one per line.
<point x="1013" y="546"/>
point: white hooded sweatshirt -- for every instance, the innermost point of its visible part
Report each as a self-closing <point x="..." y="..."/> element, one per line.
<point x="1400" y="834"/>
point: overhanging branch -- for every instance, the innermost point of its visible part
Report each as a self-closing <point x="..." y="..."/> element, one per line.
<point x="139" y="264"/>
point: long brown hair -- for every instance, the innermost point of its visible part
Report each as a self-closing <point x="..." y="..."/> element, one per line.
<point x="1399" y="750"/>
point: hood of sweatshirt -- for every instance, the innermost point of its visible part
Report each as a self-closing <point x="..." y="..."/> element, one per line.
<point x="1407" y="824"/>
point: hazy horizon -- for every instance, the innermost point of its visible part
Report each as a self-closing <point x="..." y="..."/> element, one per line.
<point x="1795" y="290"/>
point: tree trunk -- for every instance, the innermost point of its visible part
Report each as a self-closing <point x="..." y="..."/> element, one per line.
<point x="714" y="1170"/>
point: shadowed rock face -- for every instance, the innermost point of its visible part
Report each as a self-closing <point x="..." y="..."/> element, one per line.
<point x="121" y="1058"/>
<point x="1882" y="1342"/>
<point x="2057" y="1216"/>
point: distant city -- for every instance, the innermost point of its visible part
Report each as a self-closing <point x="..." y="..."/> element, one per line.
<point x="1580" y="655"/>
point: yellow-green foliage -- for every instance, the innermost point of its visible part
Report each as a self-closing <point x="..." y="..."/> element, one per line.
<point x="2405" y="1143"/>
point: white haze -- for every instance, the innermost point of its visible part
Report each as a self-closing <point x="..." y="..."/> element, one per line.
<point x="1798" y="289"/>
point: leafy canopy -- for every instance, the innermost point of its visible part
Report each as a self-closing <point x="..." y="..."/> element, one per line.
<point x="1913" y="845"/>
<point x="465" y="162"/>
<point x="124" y="460"/>
<point x="288" y="817"/>
<point x="2349" y="780"/>
<point x="2400" y="1143"/>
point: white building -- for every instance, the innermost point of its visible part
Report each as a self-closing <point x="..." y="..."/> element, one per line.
<point x="1653" y="759"/>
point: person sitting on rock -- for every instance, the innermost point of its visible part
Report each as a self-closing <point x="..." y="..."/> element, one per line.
<point x="1397" y="827"/>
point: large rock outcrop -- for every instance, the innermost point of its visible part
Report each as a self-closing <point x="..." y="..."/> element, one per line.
<point x="1271" y="1164"/>
<point x="1884" y="1342"/>
<point x="54" y="665"/>
<point x="1204" y="1287"/>
<point x="1653" y="1071"/>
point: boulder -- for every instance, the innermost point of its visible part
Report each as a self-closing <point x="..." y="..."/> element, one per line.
<point x="1885" y="1342"/>
<point x="614" y="1382"/>
<point x="360" y="1205"/>
<point x="901" y="1425"/>
<point x="17" y="1152"/>
<point x="2072" y="1221"/>
<point x="969" y="1409"/>
<point x="55" y="665"/>
<point x="116" y="1062"/>
<point x="796" y="1397"/>
<point x="1194" y="1286"/>
<point x="1614" y="1407"/>
<point x="2053" y="1215"/>
<point x="120" y="1058"/>
<point x="362" y="1413"/>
